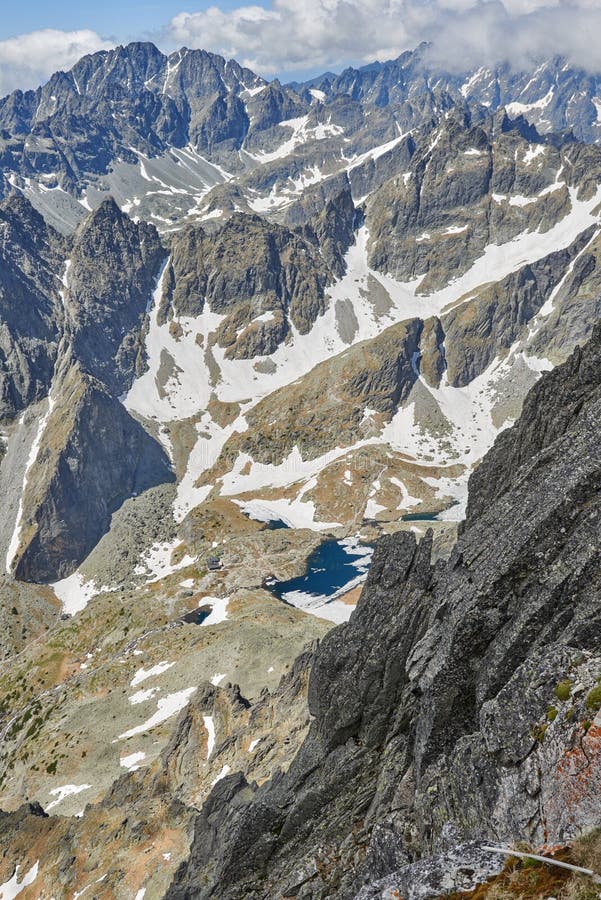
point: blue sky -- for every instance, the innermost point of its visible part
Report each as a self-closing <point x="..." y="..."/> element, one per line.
<point x="122" y="21"/>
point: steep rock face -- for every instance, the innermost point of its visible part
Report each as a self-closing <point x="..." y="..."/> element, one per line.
<point x="432" y="361"/>
<point x="30" y="309"/>
<point x="248" y="269"/>
<point x="277" y="722"/>
<point x="577" y="305"/>
<point x="91" y="456"/>
<point x="488" y="325"/>
<point x="311" y="203"/>
<point x="432" y="705"/>
<point x="553" y="410"/>
<point x="334" y="227"/>
<point x="470" y="185"/>
<point x="113" y="266"/>
<point x="72" y="320"/>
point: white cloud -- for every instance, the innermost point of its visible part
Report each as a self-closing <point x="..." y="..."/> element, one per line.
<point x="29" y="59"/>
<point x="519" y="32"/>
<point x="295" y="36"/>
<point x="291" y="36"/>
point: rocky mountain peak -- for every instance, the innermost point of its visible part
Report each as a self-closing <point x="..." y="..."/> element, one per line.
<point x="24" y="226"/>
<point x="112" y="268"/>
<point x="125" y="69"/>
<point x="108" y="223"/>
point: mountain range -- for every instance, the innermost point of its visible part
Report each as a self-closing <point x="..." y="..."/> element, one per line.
<point x="241" y="321"/>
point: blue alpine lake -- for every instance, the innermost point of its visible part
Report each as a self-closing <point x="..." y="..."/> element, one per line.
<point x="334" y="568"/>
<point x="421" y="517"/>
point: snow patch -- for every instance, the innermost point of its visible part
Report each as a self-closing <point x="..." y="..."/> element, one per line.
<point x="225" y="771"/>
<point x="332" y="610"/>
<point x="293" y="513"/>
<point x="210" y="727"/>
<point x="143" y="674"/>
<point x="12" y="888"/>
<point x="75" y="592"/>
<point x="187" y="389"/>
<point x="132" y="762"/>
<point x="301" y="134"/>
<point x="15" y="540"/>
<point x="67" y="790"/>
<point x="166" y="708"/>
<point x="407" y="501"/>
<point x="156" y="563"/>
<point x="378" y="151"/>
<point x="519" y="109"/>
<point x="218" y="610"/>
<point x="533" y="151"/>
<point x="143" y="696"/>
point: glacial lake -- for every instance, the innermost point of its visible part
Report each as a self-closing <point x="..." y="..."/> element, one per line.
<point x="421" y="517"/>
<point x="333" y="569"/>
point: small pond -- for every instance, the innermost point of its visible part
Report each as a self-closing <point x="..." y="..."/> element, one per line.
<point x="197" y="616"/>
<point x="421" y="517"/>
